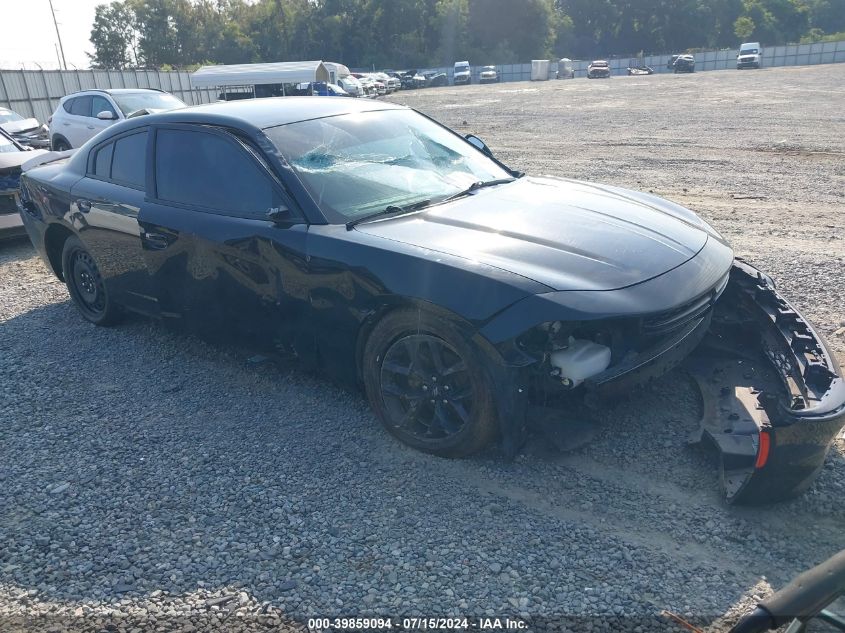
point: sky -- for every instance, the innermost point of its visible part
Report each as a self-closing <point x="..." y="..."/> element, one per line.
<point x="32" y="40"/>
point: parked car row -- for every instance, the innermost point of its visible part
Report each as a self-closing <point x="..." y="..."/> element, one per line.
<point x="750" y="56"/>
<point x="81" y="115"/>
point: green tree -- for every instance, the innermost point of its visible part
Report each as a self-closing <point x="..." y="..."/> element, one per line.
<point x="826" y="15"/>
<point x="744" y="27"/>
<point x="420" y="33"/>
<point x="516" y="30"/>
<point x="114" y="36"/>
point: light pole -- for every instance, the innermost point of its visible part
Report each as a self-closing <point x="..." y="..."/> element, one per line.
<point x="58" y="35"/>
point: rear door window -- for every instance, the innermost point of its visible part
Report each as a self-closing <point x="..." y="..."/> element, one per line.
<point x="81" y="106"/>
<point x="205" y="169"/>
<point x="129" y="160"/>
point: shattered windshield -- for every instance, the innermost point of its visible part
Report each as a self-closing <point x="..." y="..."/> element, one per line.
<point x="130" y="102"/>
<point x="356" y="164"/>
<point x="7" y="116"/>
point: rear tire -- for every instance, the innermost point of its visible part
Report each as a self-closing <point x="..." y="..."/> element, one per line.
<point x="85" y="284"/>
<point x="427" y="385"/>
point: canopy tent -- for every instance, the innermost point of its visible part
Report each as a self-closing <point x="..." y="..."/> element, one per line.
<point x="257" y="74"/>
<point x="336" y="71"/>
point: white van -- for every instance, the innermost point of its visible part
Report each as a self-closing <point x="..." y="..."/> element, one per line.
<point x="750" y="56"/>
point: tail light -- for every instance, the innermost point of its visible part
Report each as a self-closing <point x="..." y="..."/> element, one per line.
<point x="763" y="450"/>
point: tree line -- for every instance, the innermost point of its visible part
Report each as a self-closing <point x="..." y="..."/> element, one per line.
<point x="428" y="33"/>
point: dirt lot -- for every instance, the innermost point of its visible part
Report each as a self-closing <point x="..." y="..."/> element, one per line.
<point x="155" y="481"/>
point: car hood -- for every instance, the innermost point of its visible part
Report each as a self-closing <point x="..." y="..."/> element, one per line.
<point x="24" y="125"/>
<point x="565" y="234"/>
<point x="14" y="160"/>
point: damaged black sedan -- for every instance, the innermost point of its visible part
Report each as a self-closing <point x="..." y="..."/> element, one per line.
<point x="372" y="243"/>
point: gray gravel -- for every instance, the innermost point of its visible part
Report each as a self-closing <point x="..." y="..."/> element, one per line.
<point x="152" y="481"/>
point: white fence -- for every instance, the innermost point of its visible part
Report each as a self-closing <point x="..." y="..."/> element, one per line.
<point x="792" y="55"/>
<point x="36" y="93"/>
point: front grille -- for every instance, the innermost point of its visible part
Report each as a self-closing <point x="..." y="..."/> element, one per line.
<point x="670" y="320"/>
<point x="7" y="204"/>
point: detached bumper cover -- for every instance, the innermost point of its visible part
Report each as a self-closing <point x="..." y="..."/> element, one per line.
<point x="773" y="395"/>
<point x="772" y="392"/>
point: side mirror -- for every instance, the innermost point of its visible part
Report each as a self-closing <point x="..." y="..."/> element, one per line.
<point x="477" y="142"/>
<point x="106" y="115"/>
<point x="279" y="215"/>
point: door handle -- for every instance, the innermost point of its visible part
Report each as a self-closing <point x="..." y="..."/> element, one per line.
<point x="90" y="127"/>
<point x="155" y="241"/>
<point x="83" y="205"/>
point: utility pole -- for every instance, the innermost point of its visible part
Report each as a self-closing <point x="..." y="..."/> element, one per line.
<point x="58" y="35"/>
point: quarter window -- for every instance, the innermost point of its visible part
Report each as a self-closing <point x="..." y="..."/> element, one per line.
<point x="102" y="161"/>
<point x="129" y="160"/>
<point x="203" y="169"/>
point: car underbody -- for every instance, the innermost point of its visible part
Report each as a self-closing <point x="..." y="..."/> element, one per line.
<point x="771" y="394"/>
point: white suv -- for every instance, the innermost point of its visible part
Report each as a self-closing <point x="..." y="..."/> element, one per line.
<point x="82" y="115"/>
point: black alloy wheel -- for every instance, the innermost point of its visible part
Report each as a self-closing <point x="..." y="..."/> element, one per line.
<point x="426" y="387"/>
<point x="426" y="383"/>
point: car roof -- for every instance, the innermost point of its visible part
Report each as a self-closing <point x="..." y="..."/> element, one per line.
<point x="270" y="111"/>
<point x="112" y="91"/>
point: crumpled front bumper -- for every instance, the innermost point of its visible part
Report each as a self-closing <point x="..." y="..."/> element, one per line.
<point x="773" y="395"/>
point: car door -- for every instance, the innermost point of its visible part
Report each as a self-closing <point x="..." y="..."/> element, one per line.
<point x="75" y="123"/>
<point x="99" y="103"/>
<point x="106" y="205"/>
<point x="220" y="267"/>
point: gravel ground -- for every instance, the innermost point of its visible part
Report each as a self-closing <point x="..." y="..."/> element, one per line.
<point x="152" y="481"/>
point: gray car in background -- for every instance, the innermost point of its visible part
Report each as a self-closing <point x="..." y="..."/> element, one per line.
<point x="82" y="115"/>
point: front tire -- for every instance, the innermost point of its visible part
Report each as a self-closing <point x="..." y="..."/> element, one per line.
<point x="427" y="385"/>
<point x="85" y="284"/>
<point x="60" y="145"/>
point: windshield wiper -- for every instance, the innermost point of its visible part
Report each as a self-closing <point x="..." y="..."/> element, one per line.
<point x="416" y="206"/>
<point x="390" y="210"/>
<point x="481" y="184"/>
